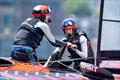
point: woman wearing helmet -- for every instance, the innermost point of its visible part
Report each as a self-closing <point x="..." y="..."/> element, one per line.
<point x="73" y="36"/>
<point x="30" y="34"/>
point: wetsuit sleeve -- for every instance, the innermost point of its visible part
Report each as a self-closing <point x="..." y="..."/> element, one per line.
<point x="46" y="30"/>
<point x="84" y="48"/>
<point x="58" y="53"/>
<point x="59" y="49"/>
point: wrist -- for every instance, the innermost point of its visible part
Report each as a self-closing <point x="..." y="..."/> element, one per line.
<point x="68" y="44"/>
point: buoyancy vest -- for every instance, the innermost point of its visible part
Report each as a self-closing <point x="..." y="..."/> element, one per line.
<point x="28" y="35"/>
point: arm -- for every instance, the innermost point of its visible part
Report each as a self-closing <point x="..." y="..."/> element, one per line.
<point x="46" y="30"/>
<point x="84" y="48"/>
<point x="58" y="52"/>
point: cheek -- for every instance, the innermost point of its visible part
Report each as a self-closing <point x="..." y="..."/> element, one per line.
<point x="68" y="31"/>
<point x="48" y="16"/>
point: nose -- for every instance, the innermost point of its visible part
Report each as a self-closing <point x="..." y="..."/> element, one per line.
<point x="49" y="15"/>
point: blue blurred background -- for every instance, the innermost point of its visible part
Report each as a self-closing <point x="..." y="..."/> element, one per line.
<point x="13" y="12"/>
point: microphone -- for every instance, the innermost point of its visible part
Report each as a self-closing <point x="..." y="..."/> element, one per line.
<point x="49" y="20"/>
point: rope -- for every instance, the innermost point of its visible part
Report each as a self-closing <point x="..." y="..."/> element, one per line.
<point x="63" y="65"/>
<point x="58" y="60"/>
<point x="73" y="59"/>
<point x="2" y="65"/>
<point x="69" y="67"/>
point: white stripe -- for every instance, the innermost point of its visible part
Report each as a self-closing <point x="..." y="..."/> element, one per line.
<point x="36" y="73"/>
<point x="6" y="72"/>
<point x="47" y="74"/>
<point x="26" y="74"/>
<point x="27" y="24"/>
<point x="16" y="73"/>
<point x="67" y="75"/>
<point x="57" y="74"/>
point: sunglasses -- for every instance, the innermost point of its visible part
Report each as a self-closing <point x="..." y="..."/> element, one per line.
<point x="68" y="23"/>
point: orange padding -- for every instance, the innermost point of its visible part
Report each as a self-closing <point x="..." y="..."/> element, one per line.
<point x="27" y="67"/>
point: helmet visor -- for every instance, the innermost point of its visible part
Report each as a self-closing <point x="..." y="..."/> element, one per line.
<point x="68" y="23"/>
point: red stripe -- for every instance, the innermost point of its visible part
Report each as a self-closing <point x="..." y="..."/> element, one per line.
<point x="69" y="27"/>
<point x="38" y="15"/>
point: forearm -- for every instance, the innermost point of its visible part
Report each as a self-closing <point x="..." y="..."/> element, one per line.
<point x="84" y="48"/>
<point x="58" y="52"/>
<point x="81" y="54"/>
<point x="57" y="43"/>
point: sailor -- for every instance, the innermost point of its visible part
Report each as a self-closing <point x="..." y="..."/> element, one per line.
<point x="79" y="39"/>
<point x="31" y="33"/>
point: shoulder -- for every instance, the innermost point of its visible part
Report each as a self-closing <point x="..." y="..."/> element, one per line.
<point x="83" y="39"/>
<point x="42" y="25"/>
<point x="28" y="19"/>
<point x="81" y="32"/>
<point x="82" y="35"/>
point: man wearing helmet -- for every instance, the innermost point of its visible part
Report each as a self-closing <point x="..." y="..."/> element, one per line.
<point x="75" y="37"/>
<point x="30" y="34"/>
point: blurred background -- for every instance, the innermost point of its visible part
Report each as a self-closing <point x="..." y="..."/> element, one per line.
<point x="14" y="12"/>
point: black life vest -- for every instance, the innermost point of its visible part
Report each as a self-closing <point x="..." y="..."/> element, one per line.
<point x="75" y="40"/>
<point x="28" y="35"/>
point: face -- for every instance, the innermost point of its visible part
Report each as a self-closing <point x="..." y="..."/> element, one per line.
<point x="69" y="31"/>
<point x="48" y="17"/>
